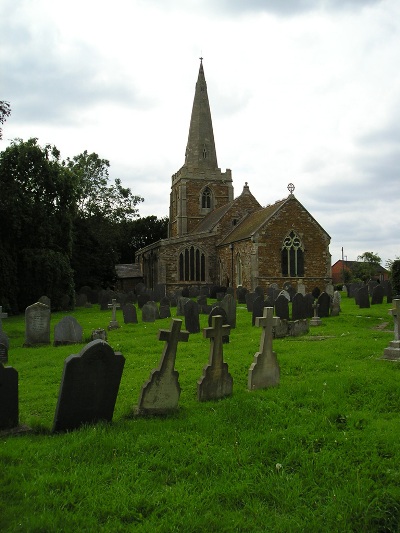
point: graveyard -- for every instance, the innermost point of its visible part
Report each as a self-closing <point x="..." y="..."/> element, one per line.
<point x="316" y="450"/>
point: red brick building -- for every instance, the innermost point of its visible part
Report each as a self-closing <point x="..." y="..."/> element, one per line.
<point x="216" y="239"/>
<point x="341" y="267"/>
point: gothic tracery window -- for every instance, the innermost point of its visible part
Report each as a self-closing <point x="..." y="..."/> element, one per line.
<point x="292" y="256"/>
<point x="206" y="198"/>
<point x="192" y="265"/>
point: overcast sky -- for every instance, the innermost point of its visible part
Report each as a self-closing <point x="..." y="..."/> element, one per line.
<point x="301" y="91"/>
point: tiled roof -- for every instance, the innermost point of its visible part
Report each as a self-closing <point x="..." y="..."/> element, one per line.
<point x="128" y="271"/>
<point x="208" y="222"/>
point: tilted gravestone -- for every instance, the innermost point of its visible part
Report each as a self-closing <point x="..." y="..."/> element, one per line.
<point x="67" y="331"/>
<point x="216" y="382"/>
<point x="89" y="386"/>
<point x="324" y="301"/>
<point x="229" y="304"/>
<point x="282" y="307"/>
<point x="37" y="324"/>
<point x="130" y="314"/>
<point x="8" y="397"/>
<point x="192" y="318"/>
<point x="377" y="295"/>
<point x="160" y="394"/>
<point x="264" y="371"/>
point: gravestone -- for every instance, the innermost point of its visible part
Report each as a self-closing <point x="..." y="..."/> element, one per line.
<point x="315" y="321"/>
<point x="98" y="334"/>
<point x="143" y="298"/>
<point x="301" y="288"/>
<point x="8" y="397"/>
<point x="67" y="331"/>
<point x="114" y="322"/>
<point x="130" y="314"/>
<point x="37" y="324"/>
<point x="377" y="295"/>
<point x="45" y="300"/>
<point x="241" y="294"/>
<point x="192" y="318"/>
<point x="259" y="291"/>
<point x="81" y="300"/>
<point x="3" y="353"/>
<point x="258" y="306"/>
<point x="215" y="311"/>
<point x="89" y="386"/>
<point x="216" y="382"/>
<point x="164" y="311"/>
<point x="335" y="311"/>
<point x="148" y="313"/>
<point x="103" y="301"/>
<point x="180" y="308"/>
<point x="309" y="302"/>
<point x="250" y="297"/>
<point x="324" y="301"/>
<point x="159" y="291"/>
<point x="298" y="307"/>
<point x="264" y="371"/>
<point x="229" y="304"/>
<point x="160" y="394"/>
<point x="140" y="288"/>
<point x="393" y="351"/>
<point x="362" y="297"/>
<point x="2" y="315"/>
<point x="316" y="292"/>
<point x="282" y="307"/>
<point x="165" y="302"/>
<point x="330" y="289"/>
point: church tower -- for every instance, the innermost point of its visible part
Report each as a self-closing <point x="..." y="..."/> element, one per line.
<point x="199" y="186"/>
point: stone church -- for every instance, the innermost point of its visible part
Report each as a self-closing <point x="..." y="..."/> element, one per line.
<point x="216" y="239"/>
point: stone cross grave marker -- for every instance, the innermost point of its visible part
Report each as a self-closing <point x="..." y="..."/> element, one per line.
<point x="160" y="394"/>
<point x="315" y="321"/>
<point x="114" y="305"/>
<point x="264" y="371"/>
<point x="89" y="386"/>
<point x="216" y="381"/>
<point x="393" y="350"/>
<point x="2" y="315"/>
<point x="8" y="397"/>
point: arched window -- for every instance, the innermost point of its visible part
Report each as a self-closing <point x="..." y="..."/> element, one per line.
<point x="239" y="275"/>
<point x="192" y="265"/>
<point x="206" y="198"/>
<point x="292" y="256"/>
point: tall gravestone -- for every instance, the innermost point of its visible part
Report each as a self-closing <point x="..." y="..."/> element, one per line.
<point x="298" y="307"/>
<point x="229" y="304"/>
<point x="362" y="297"/>
<point x="68" y="331"/>
<point x="130" y="314"/>
<point x="89" y="386"/>
<point x="192" y="317"/>
<point x="264" y="371"/>
<point x="216" y="382"/>
<point x="37" y="324"/>
<point x="377" y="295"/>
<point x="160" y="394"/>
<point x="324" y="302"/>
<point x="282" y="307"/>
<point x="258" y="306"/>
<point x="8" y="397"/>
<point x="149" y="312"/>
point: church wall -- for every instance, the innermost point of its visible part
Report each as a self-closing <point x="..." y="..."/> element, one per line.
<point x="194" y="190"/>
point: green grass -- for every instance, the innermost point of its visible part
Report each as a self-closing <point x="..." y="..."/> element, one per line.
<point x="320" y="452"/>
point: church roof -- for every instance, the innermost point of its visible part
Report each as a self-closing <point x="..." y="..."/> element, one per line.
<point x="200" y="148"/>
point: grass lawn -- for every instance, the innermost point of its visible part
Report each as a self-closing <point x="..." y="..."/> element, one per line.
<point x="319" y="453"/>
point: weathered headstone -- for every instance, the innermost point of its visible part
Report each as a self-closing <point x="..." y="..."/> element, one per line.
<point x="250" y="297"/>
<point x="67" y="331"/>
<point x="330" y="289"/>
<point x="3" y="353"/>
<point x="113" y="322"/>
<point x="8" y="397"/>
<point x="45" y="300"/>
<point x="393" y="351"/>
<point x="37" y="324"/>
<point x="164" y="311"/>
<point x="180" y="309"/>
<point x="229" y="304"/>
<point x="258" y="306"/>
<point x="315" y="321"/>
<point x="324" y="301"/>
<point x="362" y="297"/>
<point x="98" y="334"/>
<point x="89" y="386"/>
<point x="81" y="300"/>
<point x="192" y="318"/>
<point x="335" y="311"/>
<point x="259" y="291"/>
<point x="282" y="307"/>
<point x="241" y="294"/>
<point x="160" y="394"/>
<point x="301" y="288"/>
<point x="298" y="307"/>
<point x="103" y="301"/>
<point x="130" y="314"/>
<point x="216" y="381"/>
<point x="264" y="371"/>
<point x="309" y="302"/>
<point x="2" y="315"/>
<point x="149" y="313"/>
<point x="143" y="298"/>
<point x="377" y="295"/>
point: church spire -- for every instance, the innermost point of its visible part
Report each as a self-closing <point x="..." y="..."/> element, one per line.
<point x="200" y="148"/>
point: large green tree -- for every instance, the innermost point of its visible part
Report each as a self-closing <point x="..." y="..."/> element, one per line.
<point x="136" y="234"/>
<point x="366" y="267"/>
<point x="5" y="111"/>
<point x="36" y="214"/>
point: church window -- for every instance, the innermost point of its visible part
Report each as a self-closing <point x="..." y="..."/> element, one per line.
<point x="292" y="256"/>
<point x="206" y="199"/>
<point x="192" y="265"/>
<point x="204" y="153"/>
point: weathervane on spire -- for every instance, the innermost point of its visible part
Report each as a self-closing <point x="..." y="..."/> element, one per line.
<point x="291" y="188"/>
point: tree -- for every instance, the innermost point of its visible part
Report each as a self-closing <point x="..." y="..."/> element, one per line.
<point x="395" y="277"/>
<point x="5" y="111"/>
<point x="139" y="233"/>
<point x="36" y="214"/>
<point x="367" y="266"/>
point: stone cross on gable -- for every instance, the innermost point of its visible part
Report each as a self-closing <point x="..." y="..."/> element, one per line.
<point x="113" y="305"/>
<point x="160" y="394"/>
<point x="216" y="381"/>
<point x="264" y="371"/>
<point x="2" y="315"/>
<point x="395" y="312"/>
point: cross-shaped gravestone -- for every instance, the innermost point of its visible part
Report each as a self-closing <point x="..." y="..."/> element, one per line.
<point x="393" y="350"/>
<point x="160" y="394"/>
<point x="315" y="321"/>
<point x="216" y="381"/>
<point x="264" y="371"/>
<point x="2" y="315"/>
<point x="113" y="323"/>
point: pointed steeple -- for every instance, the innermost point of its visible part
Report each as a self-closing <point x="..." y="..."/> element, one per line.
<point x="200" y="148"/>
